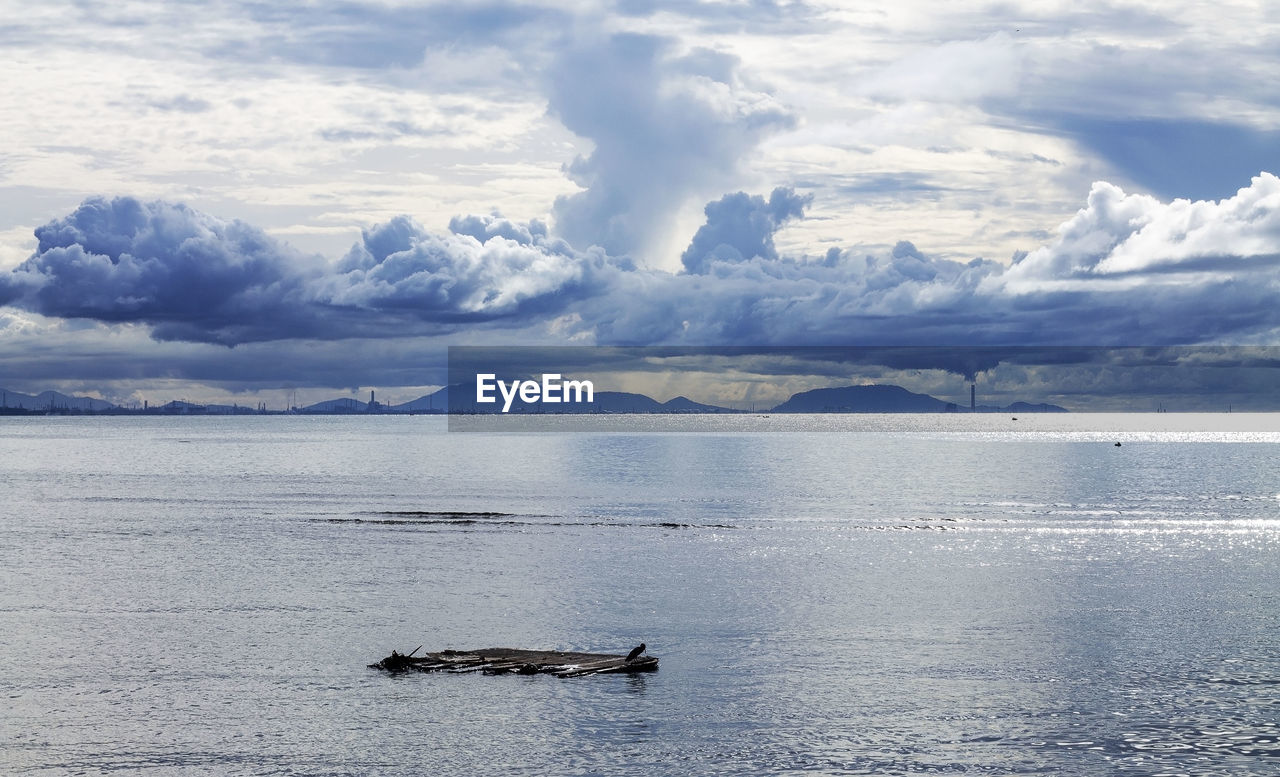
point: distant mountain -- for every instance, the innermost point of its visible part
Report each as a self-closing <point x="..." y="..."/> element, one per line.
<point x="617" y="402"/>
<point x="686" y="405"/>
<point x="844" y="399"/>
<point x="861" y="399"/>
<point x="889" y="399"/>
<point x="51" y="400"/>
<point x="624" y="402"/>
<point x="435" y="402"/>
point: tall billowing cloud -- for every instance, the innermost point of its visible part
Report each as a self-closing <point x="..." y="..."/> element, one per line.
<point x="740" y="226"/>
<point x="1125" y="270"/>
<point x="665" y="127"/>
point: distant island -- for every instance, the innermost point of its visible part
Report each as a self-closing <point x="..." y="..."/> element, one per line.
<point x="844" y="399"/>
<point x="891" y="399"/>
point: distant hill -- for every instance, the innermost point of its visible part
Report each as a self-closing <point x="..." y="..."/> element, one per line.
<point x="51" y="400"/>
<point x="686" y="405"/>
<point x="624" y="402"/>
<point x="844" y="399"/>
<point x="861" y="399"/>
<point x="435" y="402"/>
<point x="617" y="402"/>
<point x="889" y="399"/>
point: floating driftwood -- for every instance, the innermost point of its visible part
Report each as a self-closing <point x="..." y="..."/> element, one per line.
<point x="514" y="661"/>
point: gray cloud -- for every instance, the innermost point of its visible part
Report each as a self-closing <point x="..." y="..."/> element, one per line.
<point x="482" y="228"/>
<point x="182" y="103"/>
<point x="903" y="297"/>
<point x="1188" y="158"/>
<point x="740" y="227"/>
<point x="760" y="17"/>
<point x="665" y="127"/>
<point x="1147" y="93"/>
<point x="376" y="36"/>
<point x="511" y="271"/>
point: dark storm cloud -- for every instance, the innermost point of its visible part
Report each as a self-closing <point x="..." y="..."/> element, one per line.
<point x="190" y="275"/>
<point x="666" y="126"/>
<point x="1125" y="270"/>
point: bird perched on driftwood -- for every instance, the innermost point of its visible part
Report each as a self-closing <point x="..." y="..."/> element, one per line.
<point x="635" y="653"/>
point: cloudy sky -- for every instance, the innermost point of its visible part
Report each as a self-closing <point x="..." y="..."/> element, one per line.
<point x="228" y="200"/>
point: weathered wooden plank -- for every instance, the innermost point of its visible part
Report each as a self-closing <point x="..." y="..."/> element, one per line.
<point x="514" y="660"/>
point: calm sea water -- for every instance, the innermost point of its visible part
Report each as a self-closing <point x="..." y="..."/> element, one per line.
<point x="868" y="595"/>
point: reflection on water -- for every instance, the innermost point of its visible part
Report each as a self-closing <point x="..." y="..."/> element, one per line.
<point x="203" y="594"/>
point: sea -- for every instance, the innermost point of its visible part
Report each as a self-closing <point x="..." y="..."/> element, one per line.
<point x="826" y="594"/>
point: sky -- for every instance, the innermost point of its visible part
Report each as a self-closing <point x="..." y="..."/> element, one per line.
<point x="230" y="201"/>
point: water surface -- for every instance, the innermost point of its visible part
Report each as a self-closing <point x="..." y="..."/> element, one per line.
<point x="871" y="594"/>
